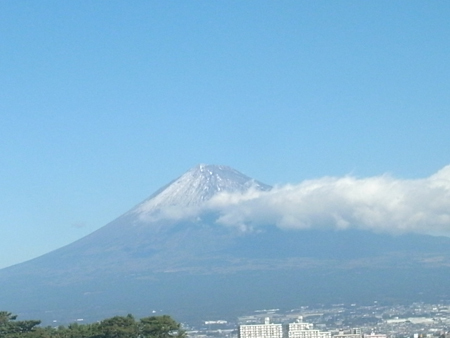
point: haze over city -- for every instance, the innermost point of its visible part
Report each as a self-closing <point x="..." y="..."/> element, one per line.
<point x="343" y="103"/>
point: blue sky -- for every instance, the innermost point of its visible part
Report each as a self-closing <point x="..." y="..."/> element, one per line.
<point x="103" y="102"/>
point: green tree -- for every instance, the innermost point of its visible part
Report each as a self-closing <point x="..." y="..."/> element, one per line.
<point x="10" y="328"/>
<point x="115" y="327"/>
<point x="118" y="327"/>
<point x="76" y="330"/>
<point x="160" y="327"/>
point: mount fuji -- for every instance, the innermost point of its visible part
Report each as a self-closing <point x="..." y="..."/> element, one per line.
<point x="171" y="254"/>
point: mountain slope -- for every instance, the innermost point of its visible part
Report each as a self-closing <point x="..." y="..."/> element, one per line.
<point x="169" y="253"/>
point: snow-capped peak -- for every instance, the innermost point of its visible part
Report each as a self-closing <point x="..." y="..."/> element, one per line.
<point x="197" y="186"/>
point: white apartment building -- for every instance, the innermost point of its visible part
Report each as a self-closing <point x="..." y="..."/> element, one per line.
<point x="265" y="330"/>
<point x="299" y="329"/>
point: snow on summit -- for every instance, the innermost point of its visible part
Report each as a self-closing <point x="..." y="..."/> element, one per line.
<point x="197" y="186"/>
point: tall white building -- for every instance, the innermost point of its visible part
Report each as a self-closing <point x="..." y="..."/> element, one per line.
<point x="299" y="329"/>
<point x="265" y="330"/>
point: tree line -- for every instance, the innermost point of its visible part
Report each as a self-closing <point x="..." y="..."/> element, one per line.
<point x="114" y="327"/>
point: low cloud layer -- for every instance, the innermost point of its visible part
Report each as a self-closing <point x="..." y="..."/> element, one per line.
<point x="379" y="204"/>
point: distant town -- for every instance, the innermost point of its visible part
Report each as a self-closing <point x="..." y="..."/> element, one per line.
<point x="417" y="320"/>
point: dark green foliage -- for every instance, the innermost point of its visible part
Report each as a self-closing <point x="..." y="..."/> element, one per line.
<point x="160" y="327"/>
<point x="118" y="327"/>
<point x="10" y="328"/>
<point x="115" y="327"/>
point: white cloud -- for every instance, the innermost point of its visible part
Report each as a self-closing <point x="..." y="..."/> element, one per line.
<point x="380" y="204"/>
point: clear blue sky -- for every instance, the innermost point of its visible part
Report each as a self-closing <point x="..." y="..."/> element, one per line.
<point x="103" y="102"/>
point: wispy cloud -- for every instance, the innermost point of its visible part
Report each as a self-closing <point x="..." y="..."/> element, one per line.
<point x="381" y="204"/>
<point x="79" y="225"/>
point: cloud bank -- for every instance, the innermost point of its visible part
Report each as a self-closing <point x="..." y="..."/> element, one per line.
<point x="379" y="204"/>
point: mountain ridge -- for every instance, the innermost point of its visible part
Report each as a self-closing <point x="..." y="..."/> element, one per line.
<point x="193" y="258"/>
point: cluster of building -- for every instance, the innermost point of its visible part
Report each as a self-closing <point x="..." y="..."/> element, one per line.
<point x="298" y="329"/>
<point x="414" y="320"/>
